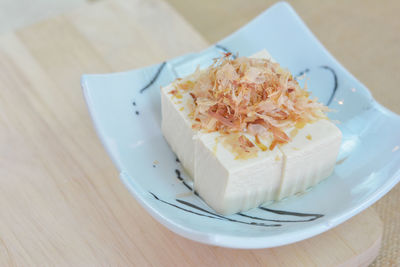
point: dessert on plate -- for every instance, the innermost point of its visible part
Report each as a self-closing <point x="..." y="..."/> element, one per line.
<point x="247" y="133"/>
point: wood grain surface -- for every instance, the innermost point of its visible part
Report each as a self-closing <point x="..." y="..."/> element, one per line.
<point x="61" y="202"/>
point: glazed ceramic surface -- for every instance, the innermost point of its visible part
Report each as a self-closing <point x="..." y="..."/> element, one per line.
<point x="126" y="111"/>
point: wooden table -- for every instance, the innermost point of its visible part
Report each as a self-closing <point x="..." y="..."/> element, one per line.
<point x="61" y="202"/>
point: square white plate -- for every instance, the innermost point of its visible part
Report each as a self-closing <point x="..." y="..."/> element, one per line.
<point x="125" y="108"/>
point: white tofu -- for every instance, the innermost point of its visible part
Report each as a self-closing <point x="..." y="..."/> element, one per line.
<point x="263" y="54"/>
<point x="230" y="185"/>
<point x="309" y="157"/>
<point x="176" y="127"/>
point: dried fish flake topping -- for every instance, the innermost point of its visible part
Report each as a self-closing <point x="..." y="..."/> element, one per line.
<point x="248" y="95"/>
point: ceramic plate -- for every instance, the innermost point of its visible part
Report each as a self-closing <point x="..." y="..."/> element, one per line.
<point x="125" y="108"/>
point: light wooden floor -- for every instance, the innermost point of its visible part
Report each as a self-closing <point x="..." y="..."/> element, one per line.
<point x="19" y="13"/>
<point x="369" y="55"/>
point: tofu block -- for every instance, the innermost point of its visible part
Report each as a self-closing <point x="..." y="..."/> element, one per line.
<point x="230" y="185"/>
<point x="176" y="127"/>
<point x="309" y="157"/>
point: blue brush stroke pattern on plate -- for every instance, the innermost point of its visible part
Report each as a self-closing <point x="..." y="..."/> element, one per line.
<point x="125" y="108"/>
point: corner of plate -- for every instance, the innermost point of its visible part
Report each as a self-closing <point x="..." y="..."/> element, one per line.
<point x="281" y="4"/>
<point x="85" y="92"/>
<point x="383" y="109"/>
<point x="83" y="82"/>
